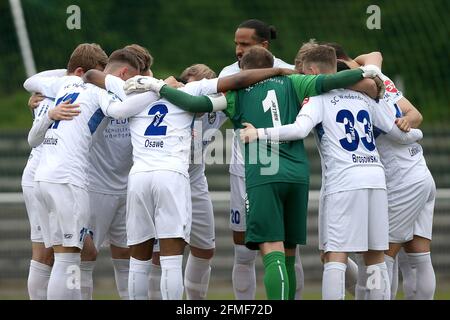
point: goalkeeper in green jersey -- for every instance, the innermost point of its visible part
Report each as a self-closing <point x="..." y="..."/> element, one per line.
<point x="277" y="172"/>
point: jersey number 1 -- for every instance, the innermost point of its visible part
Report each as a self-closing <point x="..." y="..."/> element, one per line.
<point x="271" y="103"/>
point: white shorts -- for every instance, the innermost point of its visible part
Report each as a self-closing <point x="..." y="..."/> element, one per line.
<point x="158" y="206"/>
<point x="411" y="211"/>
<point x="64" y="216"/>
<point x="107" y="219"/>
<point x="354" y="221"/>
<point x="202" y="229"/>
<point x="32" y="206"/>
<point x="237" y="203"/>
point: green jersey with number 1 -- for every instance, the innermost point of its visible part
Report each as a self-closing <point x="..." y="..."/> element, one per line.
<point x="270" y="103"/>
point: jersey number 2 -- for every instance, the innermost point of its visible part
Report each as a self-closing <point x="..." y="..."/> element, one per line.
<point x="155" y="128"/>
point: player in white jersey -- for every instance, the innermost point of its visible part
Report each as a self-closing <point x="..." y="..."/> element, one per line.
<point x="411" y="212"/>
<point x="110" y="163"/>
<point x="202" y="238"/>
<point x="159" y="204"/>
<point x="249" y="33"/>
<point x="62" y="173"/>
<point x="42" y="258"/>
<point x="354" y="216"/>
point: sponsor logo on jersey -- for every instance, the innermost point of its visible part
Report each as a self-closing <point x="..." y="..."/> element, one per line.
<point x="414" y="150"/>
<point x="212" y="117"/>
<point x="68" y="236"/>
<point x="390" y="86"/>
<point x="50" y="141"/>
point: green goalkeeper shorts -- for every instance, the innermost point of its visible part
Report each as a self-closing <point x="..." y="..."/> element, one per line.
<point x="276" y="212"/>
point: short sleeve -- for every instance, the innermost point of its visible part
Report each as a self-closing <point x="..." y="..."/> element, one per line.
<point x="383" y="116"/>
<point x="313" y="108"/>
<point x="391" y="94"/>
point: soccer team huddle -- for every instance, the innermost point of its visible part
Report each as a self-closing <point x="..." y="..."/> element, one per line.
<point x="112" y="165"/>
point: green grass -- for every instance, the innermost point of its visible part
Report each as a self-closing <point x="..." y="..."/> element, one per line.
<point x="15" y="112"/>
<point x="105" y="290"/>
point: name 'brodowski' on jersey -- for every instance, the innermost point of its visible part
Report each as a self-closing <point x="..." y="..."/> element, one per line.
<point x="364" y="159"/>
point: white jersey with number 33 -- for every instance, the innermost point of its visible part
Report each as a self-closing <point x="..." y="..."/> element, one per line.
<point x="161" y="134"/>
<point x="345" y="139"/>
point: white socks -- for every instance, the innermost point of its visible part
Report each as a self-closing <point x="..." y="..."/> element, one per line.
<point x="154" y="285"/>
<point x="333" y="281"/>
<point x="390" y="264"/>
<point x="171" y="277"/>
<point x="360" y="288"/>
<point x="121" y="272"/>
<point x="38" y="280"/>
<point x="243" y="276"/>
<point x="299" y="276"/>
<point x="64" y="283"/>
<point x="87" y="284"/>
<point x="408" y="275"/>
<point x="378" y="284"/>
<point x="425" y="280"/>
<point x="196" y="277"/>
<point x="138" y="279"/>
<point x="351" y="276"/>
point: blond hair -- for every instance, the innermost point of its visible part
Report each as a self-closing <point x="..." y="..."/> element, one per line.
<point x="306" y="46"/>
<point x="198" y="72"/>
<point x="323" y="57"/>
<point x="87" y="56"/>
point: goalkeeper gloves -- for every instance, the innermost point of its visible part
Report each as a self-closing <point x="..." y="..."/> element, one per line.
<point x="142" y="83"/>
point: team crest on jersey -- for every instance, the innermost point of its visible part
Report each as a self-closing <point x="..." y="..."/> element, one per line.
<point x="390" y="86"/>
<point x="305" y="101"/>
<point x="212" y="117"/>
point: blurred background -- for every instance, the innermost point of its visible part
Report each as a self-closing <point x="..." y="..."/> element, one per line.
<point x="413" y="36"/>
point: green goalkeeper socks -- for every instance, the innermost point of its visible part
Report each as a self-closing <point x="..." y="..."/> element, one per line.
<point x="275" y="276"/>
<point x="290" y="268"/>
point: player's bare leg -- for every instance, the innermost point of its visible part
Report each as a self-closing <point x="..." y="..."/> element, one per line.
<point x="88" y="259"/>
<point x="419" y="258"/>
<point x="276" y="279"/>
<point x="121" y="261"/>
<point x="378" y="286"/>
<point x="140" y="264"/>
<point x="64" y="283"/>
<point x="40" y="268"/>
<point x="243" y="275"/>
<point x="333" y="279"/>
<point x="171" y="259"/>
<point x="197" y="273"/>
